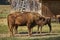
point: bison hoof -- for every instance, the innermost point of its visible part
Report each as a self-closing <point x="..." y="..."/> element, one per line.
<point x="30" y="35"/>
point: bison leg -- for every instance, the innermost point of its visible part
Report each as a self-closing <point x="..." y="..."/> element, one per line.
<point x="40" y="29"/>
<point x="11" y="30"/>
<point x="50" y="27"/>
<point x="29" y="30"/>
<point x="15" y="29"/>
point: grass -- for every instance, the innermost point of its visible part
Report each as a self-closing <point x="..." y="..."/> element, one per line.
<point x="3" y="15"/>
<point x="4" y="10"/>
<point x="55" y="28"/>
<point x="5" y="7"/>
<point x="3" y="29"/>
<point x="14" y="38"/>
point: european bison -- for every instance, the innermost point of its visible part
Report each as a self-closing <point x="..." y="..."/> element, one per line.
<point x="21" y="19"/>
<point x="30" y="19"/>
<point x="45" y="21"/>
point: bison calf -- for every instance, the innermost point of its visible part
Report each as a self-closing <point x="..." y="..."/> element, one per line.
<point x="44" y="21"/>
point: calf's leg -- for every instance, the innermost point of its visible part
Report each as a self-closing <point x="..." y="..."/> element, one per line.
<point x="50" y="27"/>
<point x="38" y="30"/>
<point x="39" y="27"/>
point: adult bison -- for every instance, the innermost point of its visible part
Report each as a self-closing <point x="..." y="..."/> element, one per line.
<point x="44" y="21"/>
<point x="21" y="19"/>
<point x="30" y="19"/>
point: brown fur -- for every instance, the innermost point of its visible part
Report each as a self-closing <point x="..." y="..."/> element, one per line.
<point x="44" y="21"/>
<point x="30" y="19"/>
<point x="21" y="19"/>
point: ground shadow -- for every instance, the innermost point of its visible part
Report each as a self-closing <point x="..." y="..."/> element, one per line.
<point x="38" y="33"/>
<point x="34" y="34"/>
